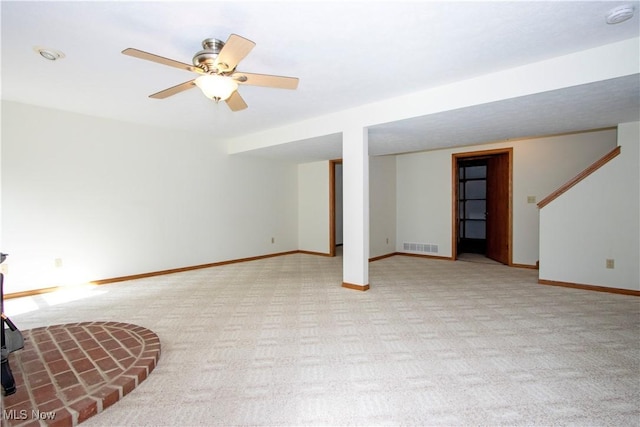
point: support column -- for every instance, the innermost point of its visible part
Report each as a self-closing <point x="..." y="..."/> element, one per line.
<point x="355" y="182"/>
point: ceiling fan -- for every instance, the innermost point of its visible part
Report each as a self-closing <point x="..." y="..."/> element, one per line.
<point x="216" y="63"/>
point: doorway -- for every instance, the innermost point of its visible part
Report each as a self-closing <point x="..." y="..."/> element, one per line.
<point x="472" y="206"/>
<point x="335" y="206"/>
<point x="482" y="204"/>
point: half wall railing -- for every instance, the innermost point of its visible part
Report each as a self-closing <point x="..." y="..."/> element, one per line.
<point x="579" y="177"/>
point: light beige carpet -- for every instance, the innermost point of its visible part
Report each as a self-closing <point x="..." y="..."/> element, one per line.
<point x="471" y="257"/>
<point x="279" y="342"/>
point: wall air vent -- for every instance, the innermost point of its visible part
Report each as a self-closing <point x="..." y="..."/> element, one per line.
<point x="420" y="247"/>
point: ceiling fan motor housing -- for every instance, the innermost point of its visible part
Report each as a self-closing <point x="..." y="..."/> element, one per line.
<point x="206" y="58"/>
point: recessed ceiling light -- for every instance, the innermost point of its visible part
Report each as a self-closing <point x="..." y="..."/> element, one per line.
<point x="47" y="53"/>
<point x="619" y="14"/>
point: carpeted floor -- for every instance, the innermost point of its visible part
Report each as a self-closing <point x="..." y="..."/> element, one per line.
<point x="472" y="257"/>
<point x="279" y="342"/>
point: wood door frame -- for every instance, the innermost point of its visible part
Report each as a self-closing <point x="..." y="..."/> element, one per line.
<point x="455" y="157"/>
<point x="332" y="205"/>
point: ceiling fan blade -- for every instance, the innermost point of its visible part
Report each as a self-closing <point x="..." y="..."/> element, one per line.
<point x="280" y="82"/>
<point x="161" y="60"/>
<point x="234" y="51"/>
<point x="173" y="90"/>
<point x="235" y="102"/>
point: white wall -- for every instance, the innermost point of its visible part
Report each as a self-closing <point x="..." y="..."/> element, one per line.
<point x="313" y="199"/>
<point x="382" y="205"/>
<point x="313" y="207"/>
<point x="112" y="199"/>
<point x="423" y="193"/>
<point x="540" y="165"/>
<point x="596" y="220"/>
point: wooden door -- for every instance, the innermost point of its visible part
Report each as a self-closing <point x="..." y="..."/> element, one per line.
<point x="498" y="208"/>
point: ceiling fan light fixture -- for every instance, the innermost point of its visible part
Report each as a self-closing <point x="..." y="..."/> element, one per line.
<point x="218" y="88"/>
<point x="216" y="66"/>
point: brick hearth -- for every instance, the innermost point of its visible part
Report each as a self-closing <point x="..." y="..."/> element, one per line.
<point x="68" y="373"/>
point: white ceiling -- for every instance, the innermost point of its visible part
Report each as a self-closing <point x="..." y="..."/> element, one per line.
<point x="346" y="54"/>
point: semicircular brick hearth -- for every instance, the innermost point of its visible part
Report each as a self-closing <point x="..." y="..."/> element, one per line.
<point x="68" y="373"/>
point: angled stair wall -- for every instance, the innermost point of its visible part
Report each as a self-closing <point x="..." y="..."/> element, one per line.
<point x="590" y="227"/>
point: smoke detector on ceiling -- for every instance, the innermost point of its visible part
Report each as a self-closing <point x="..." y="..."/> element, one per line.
<point x="620" y="14"/>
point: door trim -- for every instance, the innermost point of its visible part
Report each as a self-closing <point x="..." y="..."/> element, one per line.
<point x="455" y="157"/>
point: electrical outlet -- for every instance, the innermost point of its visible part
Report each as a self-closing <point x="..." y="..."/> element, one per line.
<point x="58" y="262"/>
<point x="610" y="263"/>
<point x="531" y="199"/>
